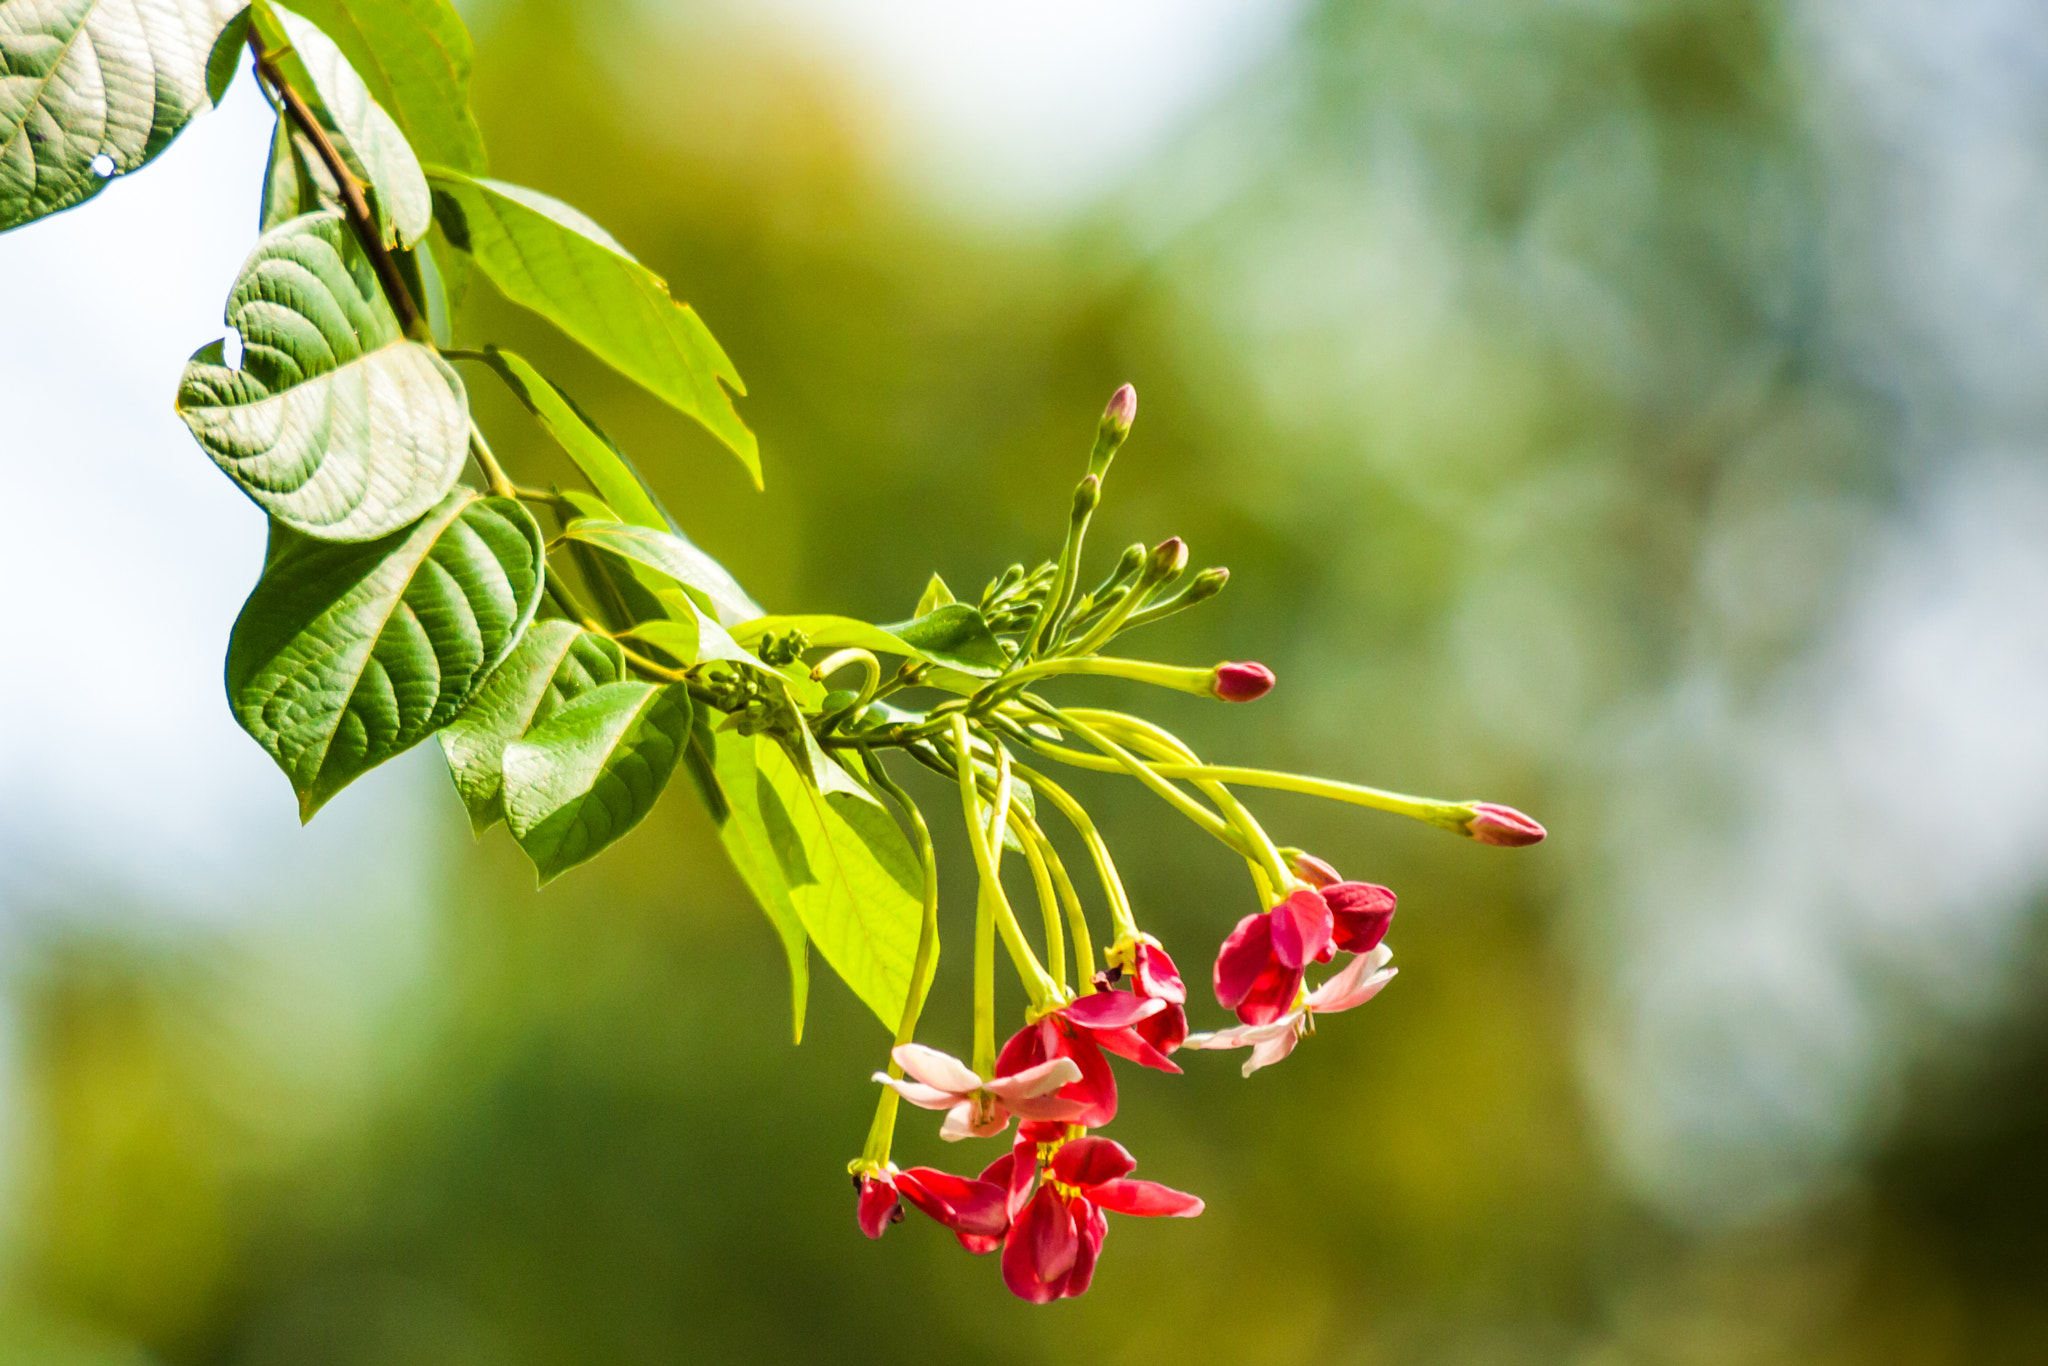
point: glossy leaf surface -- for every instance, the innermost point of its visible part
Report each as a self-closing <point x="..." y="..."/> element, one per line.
<point x="555" y="662"/>
<point x="335" y="424"/>
<point x="348" y="654"/>
<point x="581" y="779"/>
<point x="545" y="255"/>
<point x="82" y="80"/>
<point x="415" y="56"/>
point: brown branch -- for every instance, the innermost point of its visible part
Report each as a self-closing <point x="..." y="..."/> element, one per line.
<point x="355" y="202"/>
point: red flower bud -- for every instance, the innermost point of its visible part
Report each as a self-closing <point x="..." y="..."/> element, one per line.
<point x="1503" y="826"/>
<point x="1122" y="410"/>
<point x="1244" y="683"/>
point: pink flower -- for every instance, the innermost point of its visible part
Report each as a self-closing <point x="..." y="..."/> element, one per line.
<point x="1052" y="1246"/>
<point x="1245" y="682"/>
<point x="1057" y="1038"/>
<point x="1503" y="826"/>
<point x="971" y="1208"/>
<point x="1258" y="970"/>
<point x="1360" y="912"/>
<point x="1270" y="1041"/>
<point x="940" y="1081"/>
<point x="1154" y="977"/>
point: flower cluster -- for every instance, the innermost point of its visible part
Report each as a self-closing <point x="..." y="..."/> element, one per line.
<point x="1044" y="1202"/>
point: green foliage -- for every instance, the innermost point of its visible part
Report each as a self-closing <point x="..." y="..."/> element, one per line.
<point x="82" y="80"/>
<point x="753" y="825"/>
<point x="550" y="258"/>
<point x="674" y="556"/>
<point x="955" y="635"/>
<point x="554" y="662"/>
<point x="348" y="654"/>
<point x="582" y="778"/>
<point x="336" y="424"/>
<point x="606" y="467"/>
<point x="414" y="56"/>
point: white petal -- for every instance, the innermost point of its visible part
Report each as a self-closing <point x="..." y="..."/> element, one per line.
<point x="934" y="1068"/>
<point x="1360" y="994"/>
<point x="959" y="1123"/>
<point x="1037" y="1080"/>
<point x="1269" y="1051"/>
<point x="918" y="1094"/>
<point x="1245" y="1036"/>
<point x="1347" y="981"/>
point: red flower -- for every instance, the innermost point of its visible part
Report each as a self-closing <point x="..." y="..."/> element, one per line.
<point x="878" y="1207"/>
<point x="1241" y="682"/>
<point x="1504" y="826"/>
<point x="1258" y="970"/>
<point x="1055" y="1037"/>
<point x="1360" y="912"/>
<point x="972" y="1209"/>
<point x="1052" y="1246"/>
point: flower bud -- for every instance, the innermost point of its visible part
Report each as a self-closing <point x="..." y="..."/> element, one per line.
<point x="878" y="1205"/>
<point x="1086" y="495"/>
<point x="1167" y="561"/>
<point x="1114" y="427"/>
<point x="1314" y="871"/>
<point x="1503" y="826"/>
<point x="1246" y="682"/>
<point x="1207" y="585"/>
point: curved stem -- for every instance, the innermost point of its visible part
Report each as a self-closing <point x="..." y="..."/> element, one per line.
<point x="1077" y="918"/>
<point x="882" y="1132"/>
<point x="992" y="913"/>
<point x="1105" y="867"/>
<point x="1131" y="764"/>
<point x="495" y="478"/>
<point x="1048" y="904"/>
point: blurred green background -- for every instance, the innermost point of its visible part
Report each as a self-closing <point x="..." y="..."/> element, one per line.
<point x="1624" y="409"/>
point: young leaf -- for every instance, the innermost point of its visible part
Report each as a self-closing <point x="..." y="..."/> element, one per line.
<point x="296" y="183"/>
<point x="543" y="254"/>
<point x="853" y="879"/>
<point x="347" y="654"/>
<point x="554" y="662"/>
<point x="90" y="91"/>
<point x="725" y="769"/>
<point x="691" y="636"/>
<point x="954" y="635"/>
<point x="935" y="596"/>
<point x="581" y="779"/>
<point x="363" y="132"/>
<point x="604" y="464"/>
<point x="414" y="55"/>
<point x="335" y="424"/>
<point x="676" y="557"/>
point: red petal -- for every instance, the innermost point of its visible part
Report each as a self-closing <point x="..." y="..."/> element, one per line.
<point x="1158" y="977"/>
<point x="1242" y="958"/>
<point x="1147" y="1198"/>
<point x="1040" y="1248"/>
<point x="1271" y="996"/>
<point x="1129" y="1043"/>
<point x="1111" y="1010"/>
<point x="977" y="1244"/>
<point x="1094" y="1228"/>
<point x="1165" y="1031"/>
<point x="960" y="1203"/>
<point x="878" y="1207"/>
<point x="1301" y="929"/>
<point x="1091" y="1161"/>
<point x="1361" y="912"/>
<point x="997" y="1173"/>
<point x="1029" y="1046"/>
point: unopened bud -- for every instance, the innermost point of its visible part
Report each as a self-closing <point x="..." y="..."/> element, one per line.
<point x="1086" y="495"/>
<point x="1115" y="426"/>
<point x="1502" y="826"/>
<point x="1167" y="561"/>
<point x="1314" y="871"/>
<point x="1207" y="585"/>
<point x="1244" y="682"/>
<point x="1129" y="562"/>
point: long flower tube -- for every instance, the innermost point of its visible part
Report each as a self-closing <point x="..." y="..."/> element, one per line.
<point x="995" y="906"/>
<point x="881" y="1133"/>
<point x="1048" y="900"/>
<point x="1035" y="839"/>
<point x="1040" y="711"/>
<point x="1098" y="852"/>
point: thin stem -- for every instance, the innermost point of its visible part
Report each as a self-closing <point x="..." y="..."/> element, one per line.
<point x="882" y="1132"/>
<point x="495" y="478"/>
<point x="1105" y="867"/>
<point x="1137" y="768"/>
<point x="984" y="914"/>
<point x="987" y="842"/>
<point x="1077" y="918"/>
<point x="354" y="201"/>
<point x="1048" y="904"/>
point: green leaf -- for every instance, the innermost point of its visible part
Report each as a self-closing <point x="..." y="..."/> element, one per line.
<point x="415" y="56"/>
<point x="603" y="463"/>
<point x="955" y="635"/>
<point x="751" y="833"/>
<point x="854" y="880"/>
<point x="581" y="779"/>
<point x="347" y="654"/>
<point x="295" y="183"/>
<point x="936" y="595"/>
<point x="554" y="662"/>
<point x="335" y="424"/>
<point x="362" y="131"/>
<point x="690" y="636"/>
<point x="676" y="557"/>
<point x="82" y="80"/>
<point x="545" y="255"/>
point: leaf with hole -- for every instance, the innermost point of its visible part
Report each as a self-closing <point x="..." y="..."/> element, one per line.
<point x="578" y="781"/>
<point x="548" y="257"/>
<point x="365" y="134"/>
<point x="93" y="89"/>
<point x="554" y="663"/>
<point x="335" y="424"/>
<point x="348" y="654"/>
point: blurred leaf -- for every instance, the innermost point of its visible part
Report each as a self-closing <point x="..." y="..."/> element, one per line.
<point x="362" y="131"/>
<point x="725" y="767"/>
<point x="852" y="876"/>
<point x="347" y="654"/>
<point x="81" y="80"/>
<point x="936" y="595"/>
<point x="953" y="640"/>
<point x="554" y="662"/>
<point x="603" y="463"/>
<point x="581" y="779"/>
<point x="414" y="55"/>
<point x="335" y="424"/>
<point x="955" y="635"/>
<point x="545" y="255"/>
<point x="674" y="556"/>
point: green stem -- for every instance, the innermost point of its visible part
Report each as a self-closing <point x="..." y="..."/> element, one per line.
<point x="499" y="483"/>
<point x="1137" y="768"/>
<point x="988" y="843"/>
<point x="1105" y="867"/>
<point x="881" y="1133"/>
<point x="1077" y="920"/>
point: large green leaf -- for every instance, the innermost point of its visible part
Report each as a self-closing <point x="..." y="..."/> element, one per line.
<point x="414" y="55"/>
<point x="752" y="824"/>
<point x="585" y="776"/>
<point x="554" y="662"/>
<point x="365" y="133"/>
<point x="854" y="880"/>
<point x="604" y="464"/>
<point x="347" y="654"/>
<point x="675" y="556"/>
<point x="92" y="89"/>
<point x="335" y="424"/>
<point x="955" y="635"/>
<point x="550" y="258"/>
